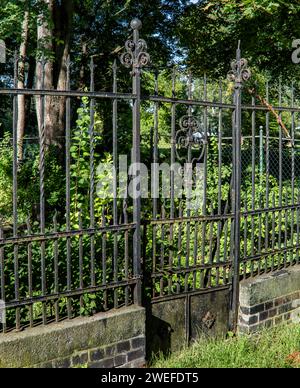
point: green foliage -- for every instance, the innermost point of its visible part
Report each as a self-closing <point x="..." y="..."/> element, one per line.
<point x="81" y="168"/>
<point x="28" y="180"/>
<point x="272" y="348"/>
<point x="210" y="30"/>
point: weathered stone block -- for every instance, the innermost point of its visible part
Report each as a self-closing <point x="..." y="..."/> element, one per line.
<point x="68" y="338"/>
<point x="268" y="287"/>
<point x="275" y="297"/>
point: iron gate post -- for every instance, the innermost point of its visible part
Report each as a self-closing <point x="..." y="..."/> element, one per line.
<point x="136" y="57"/>
<point x="239" y="73"/>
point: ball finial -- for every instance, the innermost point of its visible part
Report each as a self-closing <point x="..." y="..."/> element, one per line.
<point x="136" y="24"/>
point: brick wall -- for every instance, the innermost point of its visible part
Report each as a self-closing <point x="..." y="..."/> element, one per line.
<point x="270" y="300"/>
<point x="108" y="340"/>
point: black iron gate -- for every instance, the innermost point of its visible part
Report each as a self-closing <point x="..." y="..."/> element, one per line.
<point x="193" y="260"/>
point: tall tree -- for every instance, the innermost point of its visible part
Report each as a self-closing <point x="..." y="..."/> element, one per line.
<point x="54" y="30"/>
<point x="21" y="80"/>
<point x="209" y="31"/>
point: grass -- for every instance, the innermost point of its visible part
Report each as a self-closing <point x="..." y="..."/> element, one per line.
<point x="272" y="348"/>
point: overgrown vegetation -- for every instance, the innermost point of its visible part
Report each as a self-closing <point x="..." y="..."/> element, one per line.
<point x="273" y="348"/>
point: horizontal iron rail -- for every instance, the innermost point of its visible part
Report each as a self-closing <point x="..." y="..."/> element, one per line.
<point x="72" y="233"/>
<point x="131" y="96"/>
<point x="213" y="104"/>
<point x="273" y="252"/>
<point x="183" y="295"/>
<point x="73" y="293"/>
<point x="190" y="219"/>
<point x="192" y="268"/>
<point x="67" y="93"/>
<point x="270" y="210"/>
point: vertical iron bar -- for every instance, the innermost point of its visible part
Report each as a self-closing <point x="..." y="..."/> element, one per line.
<point x="273" y="231"/>
<point x="237" y="190"/>
<point x="172" y="177"/>
<point x="68" y="190"/>
<point x="204" y="223"/>
<point x="162" y="249"/>
<point x="220" y="156"/>
<point x="42" y="139"/>
<point x="56" y="268"/>
<point x="285" y="230"/>
<point x="293" y="174"/>
<point x="81" y="255"/>
<point x="30" y="277"/>
<point x="136" y="89"/>
<point x="253" y="177"/>
<point x="126" y="249"/>
<point x="179" y="246"/>
<point x="104" y="264"/>
<point x="15" y="192"/>
<point x="92" y="170"/>
<point x="267" y="172"/>
<point x="155" y="177"/>
<point x="2" y="272"/>
<point x="298" y="227"/>
<point x="245" y="235"/>
<point x="115" y="179"/>
<point x="280" y="151"/>
<point x="189" y="184"/>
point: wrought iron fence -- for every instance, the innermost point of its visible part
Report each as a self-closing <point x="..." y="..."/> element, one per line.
<point x="91" y="253"/>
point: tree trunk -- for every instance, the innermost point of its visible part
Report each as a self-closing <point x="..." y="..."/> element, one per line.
<point x="21" y="83"/>
<point x="57" y="27"/>
<point x="44" y="69"/>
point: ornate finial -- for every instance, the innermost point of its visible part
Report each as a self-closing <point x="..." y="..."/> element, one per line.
<point x="2" y="51"/>
<point x="136" y="55"/>
<point x="136" y="24"/>
<point x="239" y="72"/>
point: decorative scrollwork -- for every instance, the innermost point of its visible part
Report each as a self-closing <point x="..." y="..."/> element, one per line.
<point x="239" y="72"/>
<point x="136" y="55"/>
<point x="190" y="135"/>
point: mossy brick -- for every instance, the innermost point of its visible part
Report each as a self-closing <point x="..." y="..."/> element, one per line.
<point x="136" y="354"/>
<point x="106" y="363"/>
<point x="248" y="319"/>
<point x="269" y="323"/>
<point x="97" y="354"/>
<point x="119" y="360"/>
<point x="63" y="363"/>
<point x="123" y="346"/>
<point x="245" y="310"/>
<point x="140" y="363"/>
<point x="80" y="359"/>
<point x="263" y="316"/>
<point x="257" y="309"/>
<point x="111" y="351"/>
<point x="269" y="305"/>
<point x="287" y="316"/>
<point x="278" y="320"/>
<point x="285" y="308"/>
<point x="138" y="342"/>
<point x="273" y="313"/>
